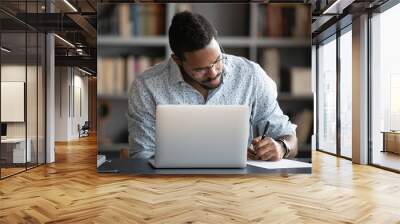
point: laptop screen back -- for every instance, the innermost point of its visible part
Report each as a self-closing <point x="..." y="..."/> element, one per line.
<point x="202" y="135"/>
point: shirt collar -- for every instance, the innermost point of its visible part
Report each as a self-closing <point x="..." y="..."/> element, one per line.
<point x="175" y="72"/>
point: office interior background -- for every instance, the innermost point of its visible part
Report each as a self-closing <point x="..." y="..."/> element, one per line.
<point x="48" y="83"/>
<point x="30" y="59"/>
<point x="133" y="37"/>
<point x="48" y="74"/>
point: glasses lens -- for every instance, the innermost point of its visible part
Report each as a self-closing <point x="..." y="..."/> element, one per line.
<point x="217" y="66"/>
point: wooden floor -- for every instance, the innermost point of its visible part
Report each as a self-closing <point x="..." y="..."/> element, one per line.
<point x="70" y="191"/>
<point x="5" y="172"/>
<point x="386" y="159"/>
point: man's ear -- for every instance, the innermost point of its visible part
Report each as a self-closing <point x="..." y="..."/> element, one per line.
<point x="176" y="59"/>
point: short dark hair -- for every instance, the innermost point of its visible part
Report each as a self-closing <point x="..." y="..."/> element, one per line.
<point x="189" y="32"/>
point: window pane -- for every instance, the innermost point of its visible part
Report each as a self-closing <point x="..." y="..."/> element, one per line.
<point x="31" y="99"/>
<point x="41" y="98"/>
<point x="386" y="89"/>
<point x="345" y="94"/>
<point x="327" y="96"/>
<point x="15" y="150"/>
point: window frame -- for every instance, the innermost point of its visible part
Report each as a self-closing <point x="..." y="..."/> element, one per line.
<point x="378" y="10"/>
<point x="334" y="32"/>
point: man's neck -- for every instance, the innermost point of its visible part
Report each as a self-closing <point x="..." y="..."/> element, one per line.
<point x="203" y="91"/>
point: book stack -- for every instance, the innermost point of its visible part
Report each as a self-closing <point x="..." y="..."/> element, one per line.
<point x="271" y="64"/>
<point x="284" y="21"/>
<point x="108" y="19"/>
<point x="294" y="80"/>
<point x="141" y="20"/>
<point x="300" y="81"/>
<point x="128" y="20"/>
<point x="115" y="75"/>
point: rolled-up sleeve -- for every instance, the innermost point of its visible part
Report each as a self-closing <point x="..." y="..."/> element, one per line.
<point x="265" y="108"/>
<point x="141" y="121"/>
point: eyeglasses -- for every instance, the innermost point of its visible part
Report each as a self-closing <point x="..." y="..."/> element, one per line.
<point x="218" y="64"/>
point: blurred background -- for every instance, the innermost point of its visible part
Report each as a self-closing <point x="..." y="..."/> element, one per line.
<point x="132" y="37"/>
<point x="51" y="47"/>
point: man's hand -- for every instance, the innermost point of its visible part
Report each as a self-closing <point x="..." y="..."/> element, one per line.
<point x="265" y="149"/>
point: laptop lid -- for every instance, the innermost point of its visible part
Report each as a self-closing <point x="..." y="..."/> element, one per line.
<point x="201" y="136"/>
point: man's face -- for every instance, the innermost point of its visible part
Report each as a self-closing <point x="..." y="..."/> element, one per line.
<point x="204" y="66"/>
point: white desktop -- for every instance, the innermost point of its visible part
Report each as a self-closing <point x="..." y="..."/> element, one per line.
<point x="17" y="146"/>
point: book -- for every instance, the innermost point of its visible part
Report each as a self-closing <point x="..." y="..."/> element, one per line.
<point x="271" y="64"/>
<point x="119" y="76"/>
<point x="300" y="81"/>
<point x="274" y="21"/>
<point x="116" y="74"/>
<point x="302" y="22"/>
<point x="124" y="20"/>
<point x="284" y="21"/>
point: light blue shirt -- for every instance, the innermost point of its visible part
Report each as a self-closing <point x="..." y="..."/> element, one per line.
<point x="244" y="83"/>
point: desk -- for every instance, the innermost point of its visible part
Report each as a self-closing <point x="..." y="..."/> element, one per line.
<point x="391" y="141"/>
<point x="141" y="166"/>
<point x="13" y="150"/>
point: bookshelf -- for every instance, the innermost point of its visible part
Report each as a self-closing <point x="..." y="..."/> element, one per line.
<point x="231" y="41"/>
<point x="242" y="31"/>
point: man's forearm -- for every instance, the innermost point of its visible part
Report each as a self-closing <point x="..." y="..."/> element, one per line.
<point x="291" y="140"/>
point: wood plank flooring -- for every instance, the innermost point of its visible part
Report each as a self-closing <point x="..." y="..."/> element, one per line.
<point x="70" y="191"/>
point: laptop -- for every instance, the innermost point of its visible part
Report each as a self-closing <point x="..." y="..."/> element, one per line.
<point x="201" y="136"/>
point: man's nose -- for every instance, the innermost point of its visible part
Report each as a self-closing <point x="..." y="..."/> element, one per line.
<point x="212" y="72"/>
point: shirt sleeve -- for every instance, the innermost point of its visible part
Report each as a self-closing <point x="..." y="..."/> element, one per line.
<point x="141" y="121"/>
<point x="265" y="108"/>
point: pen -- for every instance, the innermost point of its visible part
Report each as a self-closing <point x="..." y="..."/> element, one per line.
<point x="263" y="136"/>
<point x="265" y="130"/>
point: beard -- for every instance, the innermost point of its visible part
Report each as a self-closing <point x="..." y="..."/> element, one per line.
<point x="206" y="84"/>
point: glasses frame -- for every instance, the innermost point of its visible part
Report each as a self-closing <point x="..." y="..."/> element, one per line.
<point x="203" y="71"/>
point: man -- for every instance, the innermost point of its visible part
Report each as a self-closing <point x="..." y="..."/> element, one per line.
<point x="198" y="72"/>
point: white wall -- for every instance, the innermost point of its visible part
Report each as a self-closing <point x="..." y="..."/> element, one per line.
<point x="61" y="103"/>
<point x="17" y="73"/>
<point x="70" y="83"/>
<point x="33" y="126"/>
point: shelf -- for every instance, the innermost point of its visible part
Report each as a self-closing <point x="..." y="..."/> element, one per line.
<point x="112" y="97"/>
<point x="288" y="96"/>
<point x="145" y="41"/>
<point x="226" y="41"/>
<point x="263" y="42"/>
<point x="282" y="42"/>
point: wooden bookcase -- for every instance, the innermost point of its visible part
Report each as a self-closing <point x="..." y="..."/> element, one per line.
<point x="240" y="33"/>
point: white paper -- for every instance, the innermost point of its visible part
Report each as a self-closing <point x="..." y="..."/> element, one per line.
<point x="281" y="164"/>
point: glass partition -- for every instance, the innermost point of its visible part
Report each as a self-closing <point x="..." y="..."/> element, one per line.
<point x="41" y="91"/>
<point x="346" y="93"/>
<point x="31" y="98"/>
<point x="22" y="87"/>
<point x="385" y="89"/>
<point x="327" y="95"/>
<point x="14" y="153"/>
